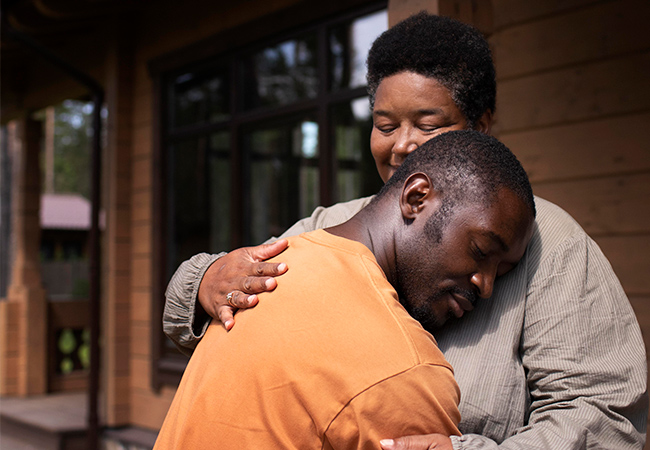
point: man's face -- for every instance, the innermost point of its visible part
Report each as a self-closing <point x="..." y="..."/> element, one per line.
<point x="477" y="243"/>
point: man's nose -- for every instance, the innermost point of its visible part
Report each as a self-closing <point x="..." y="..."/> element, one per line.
<point x="484" y="282"/>
<point x="405" y="142"/>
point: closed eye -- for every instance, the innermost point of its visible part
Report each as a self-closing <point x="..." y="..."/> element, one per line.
<point x="478" y="253"/>
<point x="385" y="128"/>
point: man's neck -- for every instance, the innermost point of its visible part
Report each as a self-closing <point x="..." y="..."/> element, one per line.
<point x="372" y="228"/>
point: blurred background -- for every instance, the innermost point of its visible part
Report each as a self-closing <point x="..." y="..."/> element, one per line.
<point x="135" y="134"/>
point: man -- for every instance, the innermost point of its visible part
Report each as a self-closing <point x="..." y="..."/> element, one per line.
<point x="330" y="359"/>
<point x="555" y="359"/>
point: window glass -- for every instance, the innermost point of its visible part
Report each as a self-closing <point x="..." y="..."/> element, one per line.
<point x="281" y="74"/>
<point x="356" y="174"/>
<point x="241" y="154"/>
<point x="283" y="176"/>
<point x="188" y="189"/>
<point x="199" y="192"/>
<point x="220" y="188"/>
<point x="200" y="97"/>
<point x="348" y="46"/>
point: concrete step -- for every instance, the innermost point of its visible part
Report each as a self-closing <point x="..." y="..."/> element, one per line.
<point x="47" y="422"/>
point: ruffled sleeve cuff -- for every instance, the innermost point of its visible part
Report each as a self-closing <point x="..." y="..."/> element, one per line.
<point x="180" y="308"/>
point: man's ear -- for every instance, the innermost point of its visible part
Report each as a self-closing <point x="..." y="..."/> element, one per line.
<point x="417" y="191"/>
<point x="484" y="123"/>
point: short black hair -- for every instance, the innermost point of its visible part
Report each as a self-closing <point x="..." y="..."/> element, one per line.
<point x="455" y="54"/>
<point x="466" y="165"/>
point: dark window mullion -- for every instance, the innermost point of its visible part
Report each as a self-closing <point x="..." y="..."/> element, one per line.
<point x="190" y="131"/>
<point x="277" y="111"/>
<point x="238" y="195"/>
<point x="326" y="160"/>
<point x="347" y="94"/>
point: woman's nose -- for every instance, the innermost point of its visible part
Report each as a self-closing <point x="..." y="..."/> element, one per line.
<point x="405" y="143"/>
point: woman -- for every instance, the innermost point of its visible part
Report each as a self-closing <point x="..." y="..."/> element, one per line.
<point x="555" y="359"/>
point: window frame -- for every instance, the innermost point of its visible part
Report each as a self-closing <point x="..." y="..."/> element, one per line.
<point x="167" y="368"/>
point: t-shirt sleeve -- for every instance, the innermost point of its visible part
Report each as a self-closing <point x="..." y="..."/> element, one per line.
<point x="421" y="400"/>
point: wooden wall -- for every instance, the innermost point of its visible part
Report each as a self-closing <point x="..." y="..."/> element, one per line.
<point x="574" y="105"/>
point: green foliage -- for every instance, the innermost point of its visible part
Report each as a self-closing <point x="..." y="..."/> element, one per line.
<point x="72" y="147"/>
<point x="84" y="349"/>
<point x="67" y="341"/>
<point x="81" y="288"/>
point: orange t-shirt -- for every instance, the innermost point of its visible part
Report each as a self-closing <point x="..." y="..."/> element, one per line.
<point x="328" y="360"/>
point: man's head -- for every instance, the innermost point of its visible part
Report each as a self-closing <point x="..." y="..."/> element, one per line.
<point x="467" y="214"/>
<point x="454" y="54"/>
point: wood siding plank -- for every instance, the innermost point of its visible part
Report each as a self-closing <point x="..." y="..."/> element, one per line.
<point x="148" y="409"/>
<point x="562" y="40"/>
<point x="588" y="92"/>
<point x="509" y="12"/>
<point x="607" y="206"/>
<point x="602" y="147"/>
<point x="630" y="258"/>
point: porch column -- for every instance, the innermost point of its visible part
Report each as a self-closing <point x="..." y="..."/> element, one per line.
<point x="117" y="257"/>
<point x="23" y="316"/>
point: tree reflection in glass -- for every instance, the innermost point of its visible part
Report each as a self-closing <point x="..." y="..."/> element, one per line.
<point x="281" y="74"/>
<point x="283" y="177"/>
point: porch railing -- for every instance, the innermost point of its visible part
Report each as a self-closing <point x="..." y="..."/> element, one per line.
<point x="66" y="284"/>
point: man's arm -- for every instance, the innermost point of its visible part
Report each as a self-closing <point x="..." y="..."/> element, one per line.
<point x="185" y="321"/>
<point x="422" y="400"/>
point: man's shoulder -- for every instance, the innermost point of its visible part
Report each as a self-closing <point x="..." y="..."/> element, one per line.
<point x="314" y="246"/>
<point x="349" y="292"/>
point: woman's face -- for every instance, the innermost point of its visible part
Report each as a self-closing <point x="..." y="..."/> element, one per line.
<point x="409" y="110"/>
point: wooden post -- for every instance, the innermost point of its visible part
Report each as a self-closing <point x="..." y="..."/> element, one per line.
<point x="23" y="344"/>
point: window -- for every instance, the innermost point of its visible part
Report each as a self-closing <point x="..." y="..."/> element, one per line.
<point x="253" y="140"/>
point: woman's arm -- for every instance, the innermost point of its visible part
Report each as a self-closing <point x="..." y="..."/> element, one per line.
<point x="584" y="360"/>
<point x="211" y="277"/>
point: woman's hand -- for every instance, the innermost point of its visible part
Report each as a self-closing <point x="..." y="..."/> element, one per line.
<point x="423" y="442"/>
<point x="243" y="273"/>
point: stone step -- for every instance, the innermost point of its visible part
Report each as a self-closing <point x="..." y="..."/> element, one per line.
<point x="46" y="422"/>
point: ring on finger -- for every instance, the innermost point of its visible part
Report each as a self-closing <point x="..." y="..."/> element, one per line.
<point x="229" y="299"/>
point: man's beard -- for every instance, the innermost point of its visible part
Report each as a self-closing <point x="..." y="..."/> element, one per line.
<point x="425" y="312"/>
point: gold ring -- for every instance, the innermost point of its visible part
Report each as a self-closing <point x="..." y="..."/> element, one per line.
<point x="229" y="299"/>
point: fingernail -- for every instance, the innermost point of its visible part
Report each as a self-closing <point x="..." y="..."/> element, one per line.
<point x="282" y="267"/>
<point x="269" y="283"/>
<point x="228" y="324"/>
<point x="387" y="444"/>
<point x="251" y="298"/>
